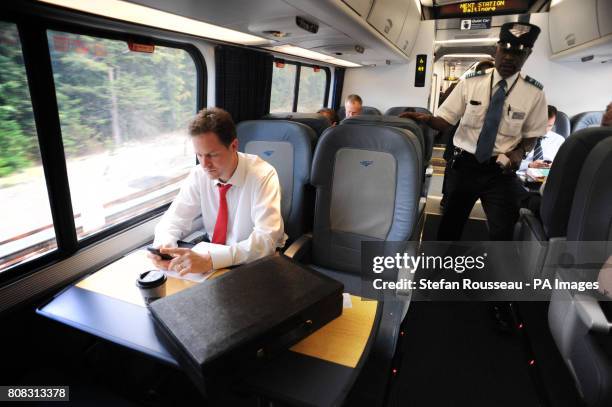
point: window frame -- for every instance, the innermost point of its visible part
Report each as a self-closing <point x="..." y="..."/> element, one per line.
<point x="296" y="84"/>
<point x="32" y="27"/>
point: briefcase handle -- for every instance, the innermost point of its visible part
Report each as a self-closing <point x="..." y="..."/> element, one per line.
<point x="286" y="340"/>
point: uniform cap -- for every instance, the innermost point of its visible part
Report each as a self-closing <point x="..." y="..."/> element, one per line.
<point x="518" y="35"/>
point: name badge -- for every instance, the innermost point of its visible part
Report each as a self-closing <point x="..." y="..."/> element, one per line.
<point x="518" y="115"/>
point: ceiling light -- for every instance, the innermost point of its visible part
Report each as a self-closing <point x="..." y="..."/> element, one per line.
<point x="467" y="40"/>
<point x="135" y="13"/>
<point x="306" y="53"/>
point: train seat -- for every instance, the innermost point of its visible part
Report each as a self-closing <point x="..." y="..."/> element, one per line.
<point x="539" y="237"/>
<point x="586" y="119"/>
<point x="288" y="146"/>
<point x="579" y="322"/>
<point x="316" y="121"/>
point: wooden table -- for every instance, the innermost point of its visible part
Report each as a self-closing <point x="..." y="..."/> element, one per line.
<point x="318" y="370"/>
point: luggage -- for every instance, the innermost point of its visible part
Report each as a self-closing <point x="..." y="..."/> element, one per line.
<point x="227" y="325"/>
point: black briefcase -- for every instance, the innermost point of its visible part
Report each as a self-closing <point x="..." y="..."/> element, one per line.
<point x="229" y="325"/>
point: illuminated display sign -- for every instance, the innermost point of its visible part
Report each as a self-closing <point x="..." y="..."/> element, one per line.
<point x="419" y="76"/>
<point x="475" y="8"/>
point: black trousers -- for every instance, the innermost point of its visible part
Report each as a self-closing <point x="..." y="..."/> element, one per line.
<point x="468" y="180"/>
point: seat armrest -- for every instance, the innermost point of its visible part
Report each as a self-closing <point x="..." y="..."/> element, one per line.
<point x="528" y="220"/>
<point x="592" y="316"/>
<point x="300" y="250"/>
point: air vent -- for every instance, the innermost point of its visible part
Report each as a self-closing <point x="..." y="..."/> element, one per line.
<point x="278" y="28"/>
<point x="341" y="49"/>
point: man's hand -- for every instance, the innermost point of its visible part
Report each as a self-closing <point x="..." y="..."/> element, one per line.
<point x="422" y="117"/>
<point x="158" y="261"/>
<point x="434" y="122"/>
<point x="187" y="261"/>
<point x="504" y="162"/>
<point x="539" y="164"/>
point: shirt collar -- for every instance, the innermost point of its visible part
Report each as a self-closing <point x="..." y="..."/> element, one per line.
<point x="237" y="178"/>
<point x="509" y="81"/>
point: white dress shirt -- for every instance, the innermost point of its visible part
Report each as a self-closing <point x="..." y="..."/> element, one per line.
<point x="525" y="112"/>
<point x="551" y="143"/>
<point x="254" y="227"/>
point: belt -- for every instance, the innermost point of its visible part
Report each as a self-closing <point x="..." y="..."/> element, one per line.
<point x="459" y="152"/>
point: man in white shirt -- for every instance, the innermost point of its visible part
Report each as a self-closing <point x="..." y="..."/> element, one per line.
<point x="500" y="114"/>
<point x="237" y="194"/>
<point x="546" y="147"/>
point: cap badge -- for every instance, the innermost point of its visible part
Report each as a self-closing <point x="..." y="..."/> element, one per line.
<point x="519" y="30"/>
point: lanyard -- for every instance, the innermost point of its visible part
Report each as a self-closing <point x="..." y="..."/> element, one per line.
<point x="509" y="90"/>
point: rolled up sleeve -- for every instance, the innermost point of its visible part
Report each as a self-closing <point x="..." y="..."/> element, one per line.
<point x="537" y="118"/>
<point x="453" y="107"/>
<point x="177" y="220"/>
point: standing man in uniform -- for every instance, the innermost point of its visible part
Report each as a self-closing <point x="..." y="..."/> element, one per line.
<point x="502" y="114"/>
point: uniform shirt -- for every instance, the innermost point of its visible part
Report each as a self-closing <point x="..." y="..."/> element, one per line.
<point x="254" y="227"/>
<point x="524" y="114"/>
<point x="551" y="143"/>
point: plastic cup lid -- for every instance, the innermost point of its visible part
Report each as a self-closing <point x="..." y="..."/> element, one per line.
<point x="151" y="278"/>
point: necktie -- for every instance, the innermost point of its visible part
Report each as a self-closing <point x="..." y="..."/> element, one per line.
<point x="486" y="139"/>
<point x="538" y="154"/>
<point x="220" y="233"/>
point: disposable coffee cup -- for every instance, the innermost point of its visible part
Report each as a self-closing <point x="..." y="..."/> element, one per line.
<point x="152" y="285"/>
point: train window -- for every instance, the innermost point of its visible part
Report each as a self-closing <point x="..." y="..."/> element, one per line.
<point x="283" y="87"/>
<point x="26" y="230"/>
<point x="311" y="95"/>
<point x="123" y="110"/>
<point x="311" y="83"/>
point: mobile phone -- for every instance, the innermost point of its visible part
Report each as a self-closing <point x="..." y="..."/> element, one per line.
<point x="158" y="253"/>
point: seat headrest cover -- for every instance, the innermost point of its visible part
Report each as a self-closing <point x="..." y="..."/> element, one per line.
<point x="397" y="110"/>
<point x="393" y="121"/>
<point x="563" y="179"/>
<point x="562" y="125"/>
<point x="394" y="153"/>
<point x="254" y="135"/>
<point x="591" y="216"/>
<point x="316" y="121"/>
<point x="585" y="120"/>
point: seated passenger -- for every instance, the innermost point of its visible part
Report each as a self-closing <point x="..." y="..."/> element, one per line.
<point x="237" y="194"/>
<point x="331" y="115"/>
<point x="353" y="105"/>
<point x="606" y="120"/>
<point x="546" y="147"/>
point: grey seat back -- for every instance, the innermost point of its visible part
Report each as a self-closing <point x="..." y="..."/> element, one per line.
<point x="429" y="134"/>
<point x="586" y="119"/>
<point x="563" y="179"/>
<point x="397" y="110"/>
<point x="316" y="121"/>
<point x="578" y="321"/>
<point x="394" y="121"/>
<point x="368" y="180"/>
<point x="366" y="110"/>
<point x="562" y="125"/>
<point x="591" y="216"/>
<point x="288" y="147"/>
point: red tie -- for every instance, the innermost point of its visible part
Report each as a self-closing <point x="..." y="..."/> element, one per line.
<point x="220" y="233"/>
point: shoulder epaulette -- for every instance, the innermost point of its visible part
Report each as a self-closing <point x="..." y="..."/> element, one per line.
<point x="535" y="83"/>
<point x="475" y="74"/>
